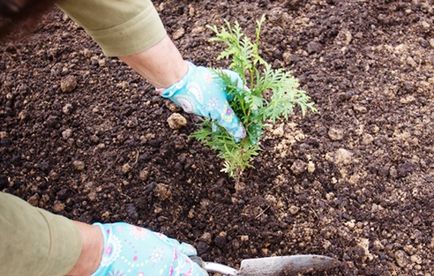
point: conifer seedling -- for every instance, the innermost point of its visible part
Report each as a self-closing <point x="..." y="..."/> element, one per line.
<point x="268" y="95"/>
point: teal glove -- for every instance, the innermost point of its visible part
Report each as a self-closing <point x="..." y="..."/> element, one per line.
<point x="202" y="92"/>
<point x="132" y="250"/>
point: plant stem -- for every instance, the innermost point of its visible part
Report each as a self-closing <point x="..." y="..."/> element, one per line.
<point x="238" y="175"/>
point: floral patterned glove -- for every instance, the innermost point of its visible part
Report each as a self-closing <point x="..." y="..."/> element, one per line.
<point x="132" y="250"/>
<point x="202" y="92"/>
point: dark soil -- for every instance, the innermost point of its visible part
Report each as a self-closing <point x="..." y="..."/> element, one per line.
<point x="354" y="181"/>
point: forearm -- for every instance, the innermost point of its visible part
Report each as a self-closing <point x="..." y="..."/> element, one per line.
<point x="162" y="65"/>
<point x="91" y="249"/>
<point x="133" y="31"/>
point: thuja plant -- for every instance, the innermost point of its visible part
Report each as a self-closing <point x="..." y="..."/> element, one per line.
<point x="267" y="95"/>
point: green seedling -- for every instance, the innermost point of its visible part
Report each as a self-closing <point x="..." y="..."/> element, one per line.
<point x="272" y="94"/>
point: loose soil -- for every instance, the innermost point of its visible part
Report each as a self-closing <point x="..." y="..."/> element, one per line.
<point x="354" y="181"/>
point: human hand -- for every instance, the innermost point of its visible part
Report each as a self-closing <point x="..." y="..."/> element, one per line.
<point x="132" y="250"/>
<point x="202" y="92"/>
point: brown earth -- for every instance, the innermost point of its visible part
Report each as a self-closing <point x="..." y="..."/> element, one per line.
<point x="354" y="181"/>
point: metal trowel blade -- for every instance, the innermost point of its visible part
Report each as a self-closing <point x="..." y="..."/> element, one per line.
<point x="286" y="265"/>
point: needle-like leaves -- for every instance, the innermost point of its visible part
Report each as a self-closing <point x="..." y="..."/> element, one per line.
<point x="272" y="94"/>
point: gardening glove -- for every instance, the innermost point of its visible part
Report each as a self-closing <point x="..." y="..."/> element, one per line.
<point x="202" y="92"/>
<point x="132" y="250"/>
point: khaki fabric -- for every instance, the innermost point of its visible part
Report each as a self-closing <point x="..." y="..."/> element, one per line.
<point x="120" y="27"/>
<point x="34" y="241"/>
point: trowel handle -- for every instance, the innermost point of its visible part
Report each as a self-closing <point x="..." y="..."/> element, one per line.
<point x="215" y="267"/>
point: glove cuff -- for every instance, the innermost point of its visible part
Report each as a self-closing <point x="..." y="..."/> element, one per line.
<point x="106" y="259"/>
<point x="178" y="86"/>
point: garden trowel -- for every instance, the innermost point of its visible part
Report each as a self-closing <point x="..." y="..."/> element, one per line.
<point x="272" y="266"/>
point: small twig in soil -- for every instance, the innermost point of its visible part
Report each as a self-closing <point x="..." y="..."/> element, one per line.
<point x="114" y="163"/>
<point x="137" y="158"/>
<point x="315" y="213"/>
<point x="263" y="211"/>
<point x="127" y="196"/>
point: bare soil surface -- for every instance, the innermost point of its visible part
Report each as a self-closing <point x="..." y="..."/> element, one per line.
<point x="83" y="136"/>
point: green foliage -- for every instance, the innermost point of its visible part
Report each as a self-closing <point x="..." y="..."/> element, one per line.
<point x="272" y="94"/>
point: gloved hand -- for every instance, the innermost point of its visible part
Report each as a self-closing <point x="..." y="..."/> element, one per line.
<point x="202" y="92"/>
<point x="132" y="250"/>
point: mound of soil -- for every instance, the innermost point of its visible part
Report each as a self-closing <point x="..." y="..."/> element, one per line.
<point x="83" y="136"/>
